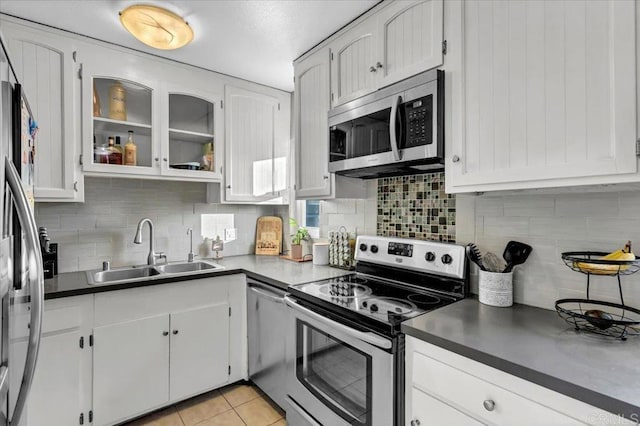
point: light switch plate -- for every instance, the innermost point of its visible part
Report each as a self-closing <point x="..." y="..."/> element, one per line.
<point x="230" y="234"/>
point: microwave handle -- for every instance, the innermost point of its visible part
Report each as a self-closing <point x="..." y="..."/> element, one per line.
<point x="392" y="128"/>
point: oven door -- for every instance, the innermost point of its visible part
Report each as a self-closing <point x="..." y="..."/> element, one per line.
<point x="339" y="375"/>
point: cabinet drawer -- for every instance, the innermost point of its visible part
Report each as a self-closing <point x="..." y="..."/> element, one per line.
<point x="469" y="393"/>
<point x="428" y="411"/>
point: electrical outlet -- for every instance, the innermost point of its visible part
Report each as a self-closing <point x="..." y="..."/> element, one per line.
<point x="230" y="234"/>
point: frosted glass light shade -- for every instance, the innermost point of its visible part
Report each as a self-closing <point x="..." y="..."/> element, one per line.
<point x="156" y="27"/>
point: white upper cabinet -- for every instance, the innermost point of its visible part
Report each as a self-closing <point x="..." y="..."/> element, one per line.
<point x="540" y="93"/>
<point x="401" y="39"/>
<point x="311" y="130"/>
<point x="410" y="38"/>
<point x="192" y="134"/>
<point x="45" y="65"/>
<point x="115" y="102"/>
<point x="353" y="63"/>
<point x="256" y="145"/>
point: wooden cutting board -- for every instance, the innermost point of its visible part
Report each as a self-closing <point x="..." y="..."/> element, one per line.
<point x="269" y="236"/>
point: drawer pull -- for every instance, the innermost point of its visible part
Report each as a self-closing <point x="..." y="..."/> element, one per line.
<point x="489" y="405"/>
<point x="415" y="422"/>
<point x="165" y="333"/>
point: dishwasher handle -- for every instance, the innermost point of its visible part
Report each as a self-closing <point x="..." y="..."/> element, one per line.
<point x="267" y="292"/>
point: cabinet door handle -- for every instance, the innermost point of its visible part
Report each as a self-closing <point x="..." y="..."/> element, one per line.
<point x="415" y="422"/>
<point x="228" y="186"/>
<point x="489" y="405"/>
<point x="165" y="159"/>
<point x="157" y="159"/>
<point x="325" y="177"/>
<point x="165" y="333"/>
<point x="378" y="65"/>
<point x="455" y="159"/>
<point x="175" y="331"/>
<point x="372" y="69"/>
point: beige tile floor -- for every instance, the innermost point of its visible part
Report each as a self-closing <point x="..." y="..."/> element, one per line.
<point x="235" y="405"/>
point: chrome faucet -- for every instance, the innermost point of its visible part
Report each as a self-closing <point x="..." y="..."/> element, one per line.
<point x="191" y="255"/>
<point x="151" y="258"/>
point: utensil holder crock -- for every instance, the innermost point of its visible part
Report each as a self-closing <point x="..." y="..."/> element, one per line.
<point x="496" y="288"/>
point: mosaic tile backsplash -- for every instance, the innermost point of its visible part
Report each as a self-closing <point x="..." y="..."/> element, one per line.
<point x="416" y="207"/>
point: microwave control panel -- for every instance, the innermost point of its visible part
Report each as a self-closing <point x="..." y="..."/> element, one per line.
<point x="419" y="121"/>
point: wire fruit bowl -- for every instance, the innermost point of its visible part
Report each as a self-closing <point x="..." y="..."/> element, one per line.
<point x="617" y="321"/>
<point x="591" y="263"/>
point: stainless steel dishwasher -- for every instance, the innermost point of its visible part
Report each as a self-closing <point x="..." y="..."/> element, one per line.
<point x="267" y="323"/>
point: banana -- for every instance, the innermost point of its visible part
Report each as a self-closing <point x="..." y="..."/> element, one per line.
<point x="598" y="269"/>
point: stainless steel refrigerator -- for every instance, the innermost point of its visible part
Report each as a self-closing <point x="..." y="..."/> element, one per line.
<point x="21" y="274"/>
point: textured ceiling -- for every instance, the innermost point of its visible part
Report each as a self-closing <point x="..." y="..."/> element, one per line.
<point x="252" y="39"/>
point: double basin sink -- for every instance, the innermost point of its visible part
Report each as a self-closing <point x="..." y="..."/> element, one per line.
<point x="141" y="273"/>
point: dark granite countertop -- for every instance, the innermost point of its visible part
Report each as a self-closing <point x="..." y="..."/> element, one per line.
<point x="270" y="269"/>
<point x="536" y="345"/>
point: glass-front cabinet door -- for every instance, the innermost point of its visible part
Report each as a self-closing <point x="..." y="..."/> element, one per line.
<point x="118" y="134"/>
<point x="192" y="135"/>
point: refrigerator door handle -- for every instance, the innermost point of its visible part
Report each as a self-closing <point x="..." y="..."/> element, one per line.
<point x="36" y="284"/>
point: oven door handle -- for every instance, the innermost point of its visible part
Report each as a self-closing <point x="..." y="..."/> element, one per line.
<point x="367" y="337"/>
<point x="393" y="138"/>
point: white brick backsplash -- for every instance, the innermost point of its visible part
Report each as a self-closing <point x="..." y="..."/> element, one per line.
<point x="78" y="222"/>
<point x="630" y="204"/>
<point x="558" y="226"/>
<point x="553" y="224"/>
<point x="118" y="221"/>
<point x="506" y="225"/>
<point x="595" y="205"/>
<point x="528" y="206"/>
<point x="103" y="227"/>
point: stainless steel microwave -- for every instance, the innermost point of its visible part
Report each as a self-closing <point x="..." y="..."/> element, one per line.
<point x="398" y="130"/>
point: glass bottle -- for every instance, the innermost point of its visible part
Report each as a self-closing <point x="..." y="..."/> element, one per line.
<point x="115" y="156"/>
<point x="130" y="151"/>
<point x="118" y="148"/>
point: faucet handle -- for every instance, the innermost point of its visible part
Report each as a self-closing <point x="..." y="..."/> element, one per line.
<point x="161" y="255"/>
<point x="191" y="256"/>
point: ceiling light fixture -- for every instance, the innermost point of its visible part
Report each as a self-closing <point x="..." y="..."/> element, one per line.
<point x="156" y="27"/>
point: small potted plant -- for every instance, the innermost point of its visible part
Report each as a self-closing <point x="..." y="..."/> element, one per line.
<point x="301" y="234"/>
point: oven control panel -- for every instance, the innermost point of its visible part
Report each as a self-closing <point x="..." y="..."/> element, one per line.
<point x="434" y="257"/>
<point x="400" y="249"/>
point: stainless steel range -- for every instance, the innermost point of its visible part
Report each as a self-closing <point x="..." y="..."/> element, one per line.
<point x="345" y="346"/>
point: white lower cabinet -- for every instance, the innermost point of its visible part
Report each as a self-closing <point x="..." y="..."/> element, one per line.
<point x="198" y="357"/>
<point x="445" y="388"/>
<point x="161" y="344"/>
<point x="61" y="390"/>
<point x="130" y="368"/>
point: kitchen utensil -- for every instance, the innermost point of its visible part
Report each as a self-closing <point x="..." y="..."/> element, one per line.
<point x="474" y="255"/>
<point x="493" y="263"/>
<point x="515" y="253"/>
<point x="269" y="235"/>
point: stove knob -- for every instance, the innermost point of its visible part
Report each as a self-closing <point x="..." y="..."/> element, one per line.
<point x="430" y="256"/>
<point x="364" y="304"/>
<point x="374" y="308"/>
<point x="374" y="249"/>
<point x="363" y="247"/>
<point x="446" y="259"/>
